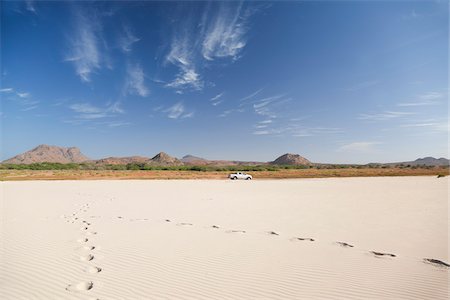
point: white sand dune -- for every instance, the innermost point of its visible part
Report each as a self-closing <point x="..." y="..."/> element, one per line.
<point x="225" y="239"/>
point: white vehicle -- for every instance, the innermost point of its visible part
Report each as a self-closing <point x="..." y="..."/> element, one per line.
<point x="240" y="175"/>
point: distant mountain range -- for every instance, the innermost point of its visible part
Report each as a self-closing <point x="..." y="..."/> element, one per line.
<point x="427" y="161"/>
<point x="46" y="153"/>
<point x="55" y="154"/>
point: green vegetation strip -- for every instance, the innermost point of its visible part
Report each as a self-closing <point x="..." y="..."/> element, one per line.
<point x="245" y="168"/>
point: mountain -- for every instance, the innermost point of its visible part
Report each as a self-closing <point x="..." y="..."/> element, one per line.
<point x="291" y="159"/>
<point x="163" y="159"/>
<point x="427" y="161"/>
<point x="122" y="160"/>
<point x="193" y="160"/>
<point x="46" y="153"/>
<point x="431" y="161"/>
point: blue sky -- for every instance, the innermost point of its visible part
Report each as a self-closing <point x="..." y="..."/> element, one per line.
<point x="335" y="81"/>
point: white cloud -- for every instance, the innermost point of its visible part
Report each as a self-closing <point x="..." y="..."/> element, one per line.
<point x="261" y="132"/>
<point x="23" y="95"/>
<point x="216" y="100"/>
<point x="387" y="115"/>
<point x="251" y="95"/>
<point x="181" y="55"/>
<point x="216" y="97"/>
<point x="29" y="4"/>
<point x="85" y="108"/>
<point x="29" y="108"/>
<point x="430" y="125"/>
<point x="116" y="108"/>
<point x="220" y="33"/>
<point x="127" y="39"/>
<point x="87" y="111"/>
<point x="187" y="77"/>
<point x="117" y="124"/>
<point x="178" y="111"/>
<point x="135" y="80"/>
<point x="365" y="147"/>
<point x="84" y="51"/>
<point x="267" y="106"/>
<point x="225" y="32"/>
<point x="430" y="98"/>
<point x="23" y="99"/>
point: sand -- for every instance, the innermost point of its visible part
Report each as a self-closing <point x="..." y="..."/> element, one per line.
<point x="203" y="239"/>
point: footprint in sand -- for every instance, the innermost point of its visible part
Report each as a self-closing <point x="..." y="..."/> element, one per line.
<point x="344" y="244"/>
<point x="88" y="257"/>
<point x="235" y="231"/>
<point x="167" y="220"/>
<point x="215" y="227"/>
<point x="92" y="269"/>
<point x="87" y="223"/>
<point x="379" y="254"/>
<point x="436" y="262"/>
<point x="272" y="233"/>
<point x="87" y="248"/>
<point x="184" y="224"/>
<point x="83" y="240"/>
<point x="82" y="286"/>
<point x="304" y="239"/>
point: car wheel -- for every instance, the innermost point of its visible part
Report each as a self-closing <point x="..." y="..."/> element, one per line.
<point x="234" y="178"/>
<point x="248" y="178"/>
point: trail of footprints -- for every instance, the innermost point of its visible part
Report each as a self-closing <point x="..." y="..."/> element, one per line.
<point x="88" y="256"/>
<point x="86" y="249"/>
<point x="342" y="244"/>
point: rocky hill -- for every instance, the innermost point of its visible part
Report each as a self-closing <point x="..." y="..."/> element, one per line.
<point x="291" y="159"/>
<point x="122" y="160"/>
<point x="192" y="160"/>
<point x="427" y="161"/>
<point x="46" y="153"/>
<point x="163" y="159"/>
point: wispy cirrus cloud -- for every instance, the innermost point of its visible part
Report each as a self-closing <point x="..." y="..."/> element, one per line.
<point x="250" y="96"/>
<point x="428" y="125"/>
<point x="216" y="100"/>
<point x="227" y="112"/>
<point x="127" y="39"/>
<point x="29" y="5"/>
<point x="23" y="95"/>
<point x="225" y="31"/>
<point x="178" y="111"/>
<point x="135" y="81"/>
<point x="24" y="99"/>
<point x="217" y="33"/>
<point x="84" y="44"/>
<point x="384" y="116"/>
<point x="364" y="147"/>
<point x="182" y="55"/>
<point x="87" y="111"/>
<point x="430" y="98"/>
<point x="269" y="106"/>
<point x="295" y="130"/>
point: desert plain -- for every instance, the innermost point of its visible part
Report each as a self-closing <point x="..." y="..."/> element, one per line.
<point x="322" y="238"/>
